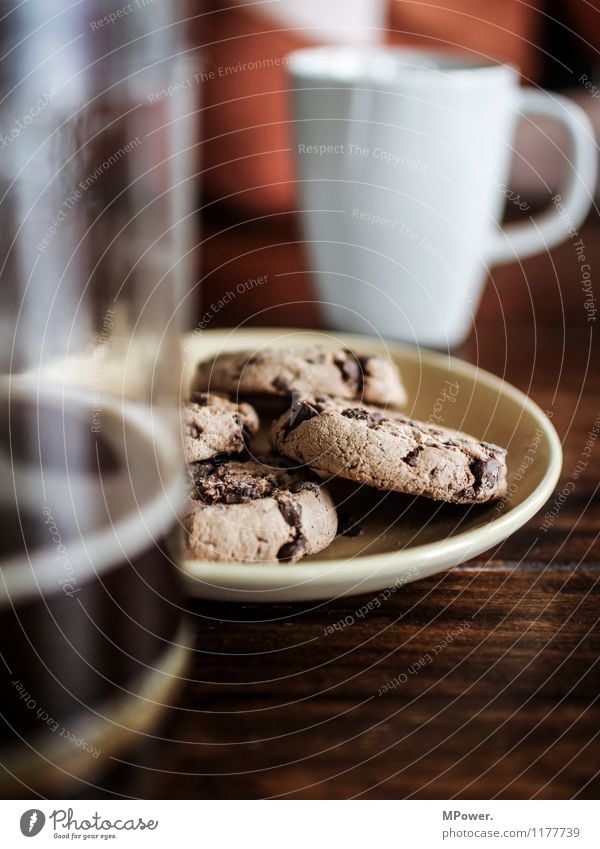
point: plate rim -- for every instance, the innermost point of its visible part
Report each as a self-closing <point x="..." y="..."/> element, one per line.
<point x="237" y="577"/>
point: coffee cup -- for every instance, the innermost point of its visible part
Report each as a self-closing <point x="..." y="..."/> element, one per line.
<point x="403" y="160"/>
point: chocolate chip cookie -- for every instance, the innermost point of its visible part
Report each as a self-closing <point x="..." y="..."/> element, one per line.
<point x="256" y="511"/>
<point x="282" y="372"/>
<point x="211" y="424"/>
<point x="386" y="450"/>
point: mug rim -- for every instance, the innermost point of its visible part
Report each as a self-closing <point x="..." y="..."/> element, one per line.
<point x="452" y="67"/>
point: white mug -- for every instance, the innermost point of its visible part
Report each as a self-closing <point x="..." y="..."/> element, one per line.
<point x="403" y="159"/>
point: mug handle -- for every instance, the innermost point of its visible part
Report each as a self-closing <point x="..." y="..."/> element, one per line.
<point x="551" y="227"/>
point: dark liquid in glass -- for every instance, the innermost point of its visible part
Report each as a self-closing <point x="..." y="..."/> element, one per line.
<point x="89" y="601"/>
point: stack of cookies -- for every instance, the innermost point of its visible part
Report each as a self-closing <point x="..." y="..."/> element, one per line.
<point x="334" y="414"/>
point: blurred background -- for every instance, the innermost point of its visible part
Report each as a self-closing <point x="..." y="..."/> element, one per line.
<point x="249" y="229"/>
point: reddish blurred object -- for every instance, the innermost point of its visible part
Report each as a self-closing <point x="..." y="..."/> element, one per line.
<point x="246" y="156"/>
<point x="504" y="30"/>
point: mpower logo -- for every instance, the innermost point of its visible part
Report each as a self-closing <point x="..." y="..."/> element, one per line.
<point x="32" y="822"/>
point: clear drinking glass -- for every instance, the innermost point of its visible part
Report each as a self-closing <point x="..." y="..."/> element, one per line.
<point x="95" y="196"/>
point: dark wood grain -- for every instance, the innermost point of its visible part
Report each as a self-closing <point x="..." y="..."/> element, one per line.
<point x="281" y="707"/>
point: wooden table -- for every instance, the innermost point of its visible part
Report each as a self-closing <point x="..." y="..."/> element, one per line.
<point x="275" y="707"/>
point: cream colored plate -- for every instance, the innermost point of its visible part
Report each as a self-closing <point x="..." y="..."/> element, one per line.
<point x="403" y="539"/>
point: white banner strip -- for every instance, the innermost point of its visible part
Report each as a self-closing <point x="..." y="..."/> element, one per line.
<point x="298" y="824"/>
